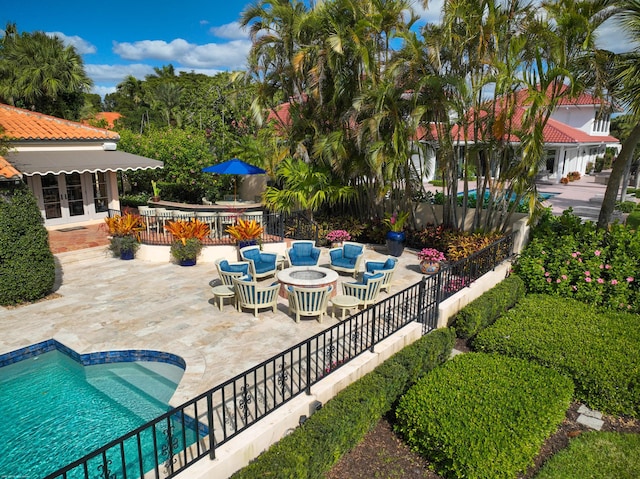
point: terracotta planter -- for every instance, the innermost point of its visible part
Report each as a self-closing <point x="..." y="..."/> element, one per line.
<point x="427" y="267"/>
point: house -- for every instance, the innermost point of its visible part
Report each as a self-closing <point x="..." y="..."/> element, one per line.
<point x="576" y="133"/>
<point x="71" y="168"/>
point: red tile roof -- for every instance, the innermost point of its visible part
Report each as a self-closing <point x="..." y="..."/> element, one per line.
<point x="7" y="171"/>
<point x="24" y="125"/>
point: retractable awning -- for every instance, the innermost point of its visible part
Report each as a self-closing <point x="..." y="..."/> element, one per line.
<point x="81" y="161"/>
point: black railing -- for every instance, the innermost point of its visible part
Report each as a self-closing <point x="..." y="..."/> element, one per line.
<point x="172" y="442"/>
<point x="457" y="276"/>
<point x="298" y="227"/>
<point x="155" y="234"/>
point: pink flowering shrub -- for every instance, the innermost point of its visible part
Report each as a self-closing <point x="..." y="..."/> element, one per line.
<point x="593" y="266"/>
<point x="337" y="236"/>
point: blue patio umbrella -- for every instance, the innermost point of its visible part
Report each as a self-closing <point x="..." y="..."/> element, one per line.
<point x="234" y="167"/>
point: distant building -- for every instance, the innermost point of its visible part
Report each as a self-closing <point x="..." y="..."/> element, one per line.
<point x="70" y="167"/>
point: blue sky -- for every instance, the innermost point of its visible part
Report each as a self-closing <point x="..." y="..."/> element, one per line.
<point x="120" y="38"/>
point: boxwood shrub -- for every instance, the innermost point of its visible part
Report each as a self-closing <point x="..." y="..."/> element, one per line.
<point x="312" y="449"/>
<point x="599" y="350"/>
<point x="483" y="415"/>
<point x="27" y="268"/>
<point x="484" y="310"/>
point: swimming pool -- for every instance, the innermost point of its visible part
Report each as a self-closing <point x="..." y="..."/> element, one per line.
<point x="55" y="410"/>
<point x="543" y="196"/>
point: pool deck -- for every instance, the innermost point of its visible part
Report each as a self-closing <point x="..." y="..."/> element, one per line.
<point x="102" y="303"/>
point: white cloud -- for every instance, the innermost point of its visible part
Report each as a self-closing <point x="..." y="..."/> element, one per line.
<point x="103" y="90"/>
<point x="116" y="73"/>
<point x="82" y="46"/>
<point x="430" y="14"/>
<point x="230" y="31"/>
<point x="231" y="55"/>
<point x="612" y="37"/>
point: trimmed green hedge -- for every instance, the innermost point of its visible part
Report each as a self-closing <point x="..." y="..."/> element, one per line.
<point x="484" y="310"/>
<point x="596" y="454"/>
<point x="311" y="450"/>
<point x="27" y="268"/>
<point x="599" y="350"/>
<point x="483" y="415"/>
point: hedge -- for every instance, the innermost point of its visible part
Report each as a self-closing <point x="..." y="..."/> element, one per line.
<point x="312" y="449"/>
<point x="27" y="267"/>
<point x="599" y="350"/>
<point x="484" y="310"/>
<point x="483" y="415"/>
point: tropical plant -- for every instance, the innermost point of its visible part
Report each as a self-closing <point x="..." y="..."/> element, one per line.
<point x="128" y="224"/>
<point x="187" y="238"/>
<point x="245" y="230"/>
<point x="395" y="221"/>
<point x="125" y="233"/>
<point x="37" y="71"/>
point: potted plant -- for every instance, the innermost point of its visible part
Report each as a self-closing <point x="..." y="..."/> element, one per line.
<point x="156" y="191"/>
<point x="395" y="235"/>
<point x="187" y="240"/>
<point x="430" y="259"/>
<point x="246" y="232"/>
<point x="124" y="231"/>
<point x="337" y="237"/>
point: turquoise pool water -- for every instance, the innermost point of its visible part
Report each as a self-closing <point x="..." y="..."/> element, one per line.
<point x="56" y="410"/>
<point x="543" y="196"/>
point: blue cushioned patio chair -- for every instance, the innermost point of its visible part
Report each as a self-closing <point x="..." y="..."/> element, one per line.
<point x="309" y="301"/>
<point x="366" y="290"/>
<point x="303" y="253"/>
<point x="252" y="296"/>
<point x="387" y="268"/>
<point x="262" y="264"/>
<point x="347" y="258"/>
<point x="228" y="270"/>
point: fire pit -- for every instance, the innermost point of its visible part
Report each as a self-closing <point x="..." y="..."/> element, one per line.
<point x="307" y="277"/>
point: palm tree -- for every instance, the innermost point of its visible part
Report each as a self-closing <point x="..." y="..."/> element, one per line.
<point x="304" y="187"/>
<point x="38" y="72"/>
<point x="627" y="87"/>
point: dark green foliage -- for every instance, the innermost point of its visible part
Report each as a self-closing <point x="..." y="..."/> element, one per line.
<point x="633" y="220"/>
<point x="572" y="259"/>
<point x="483" y="416"/>
<point x="27" y="268"/>
<point x="599" y="350"/>
<point x="311" y="450"/>
<point x="483" y="311"/>
<point x="626" y="206"/>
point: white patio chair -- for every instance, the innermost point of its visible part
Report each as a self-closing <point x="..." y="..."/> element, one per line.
<point x="309" y="301"/>
<point x="387" y="268"/>
<point x="251" y="296"/>
<point x="367" y="290"/>
<point x="227" y="270"/>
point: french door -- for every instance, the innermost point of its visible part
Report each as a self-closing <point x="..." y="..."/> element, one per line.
<point x="63" y="198"/>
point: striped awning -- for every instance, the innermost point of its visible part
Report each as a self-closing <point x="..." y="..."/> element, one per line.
<point x="81" y="161"/>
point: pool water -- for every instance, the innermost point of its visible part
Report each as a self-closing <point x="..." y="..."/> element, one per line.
<point x="543" y="196"/>
<point x="56" y="410"/>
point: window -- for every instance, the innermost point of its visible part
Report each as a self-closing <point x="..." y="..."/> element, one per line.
<point x="601" y="122"/>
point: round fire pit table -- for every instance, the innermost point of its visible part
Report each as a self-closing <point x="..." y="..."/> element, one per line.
<point x="307" y="277"/>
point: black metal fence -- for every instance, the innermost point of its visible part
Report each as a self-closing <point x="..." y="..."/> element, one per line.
<point x="171" y="443"/>
<point x="155" y="233"/>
